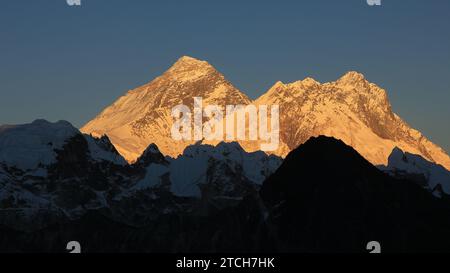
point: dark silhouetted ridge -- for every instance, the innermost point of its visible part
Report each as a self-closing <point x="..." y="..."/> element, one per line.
<point x="326" y="197"/>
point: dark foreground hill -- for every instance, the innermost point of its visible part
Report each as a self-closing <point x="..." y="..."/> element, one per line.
<point x="325" y="197"/>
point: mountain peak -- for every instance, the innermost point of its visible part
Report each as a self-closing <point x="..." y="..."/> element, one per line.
<point x="305" y="83"/>
<point x="186" y="58"/>
<point x="319" y="160"/>
<point x="278" y="84"/>
<point x="397" y="151"/>
<point x="28" y="145"/>
<point x="190" y="69"/>
<point x="309" y="80"/>
<point x="401" y="163"/>
<point x="351" y="77"/>
<point x="190" y="62"/>
<point x="44" y="122"/>
<point x="151" y="155"/>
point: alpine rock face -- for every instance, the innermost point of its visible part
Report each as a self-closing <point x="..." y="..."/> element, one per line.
<point x="50" y="170"/>
<point x="350" y="109"/>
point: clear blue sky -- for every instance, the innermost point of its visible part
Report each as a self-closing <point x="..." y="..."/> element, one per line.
<point x="61" y="62"/>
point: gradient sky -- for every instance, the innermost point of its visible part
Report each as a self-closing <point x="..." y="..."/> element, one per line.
<point x="61" y="62"/>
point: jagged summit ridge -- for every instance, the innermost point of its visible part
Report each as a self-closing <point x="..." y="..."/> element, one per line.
<point x="351" y="77"/>
<point x="351" y="109"/>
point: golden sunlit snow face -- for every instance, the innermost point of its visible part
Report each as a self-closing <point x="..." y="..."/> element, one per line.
<point x="240" y="122"/>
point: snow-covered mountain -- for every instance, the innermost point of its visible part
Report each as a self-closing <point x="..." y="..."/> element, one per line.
<point x="432" y="176"/>
<point x="143" y="115"/>
<point x="35" y="145"/>
<point x="351" y="109"/>
<point x="223" y="170"/>
<point x="51" y="171"/>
